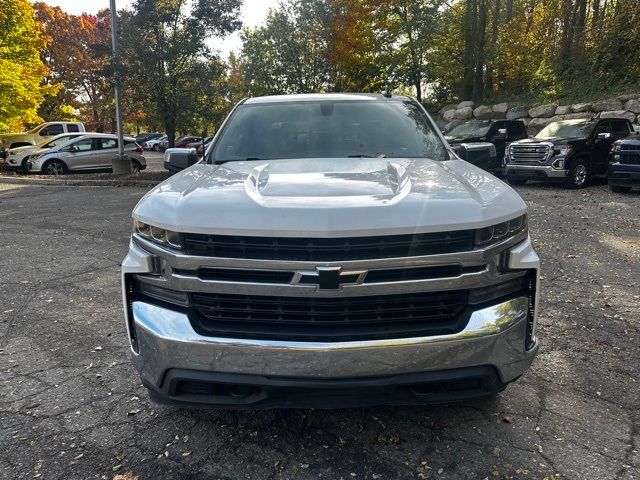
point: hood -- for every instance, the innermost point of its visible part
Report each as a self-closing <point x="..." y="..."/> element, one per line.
<point x="329" y="197"/>
<point x="32" y="149"/>
<point x="552" y="140"/>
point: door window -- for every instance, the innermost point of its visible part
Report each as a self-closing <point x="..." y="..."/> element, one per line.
<point x="51" y="130"/>
<point x="109" y="143"/>
<point x="84" y="145"/>
<point x="515" y="131"/>
<point x="620" y="128"/>
<point x="603" y="128"/>
<point x="72" y="127"/>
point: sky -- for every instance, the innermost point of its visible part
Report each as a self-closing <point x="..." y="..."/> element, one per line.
<point x="253" y="13"/>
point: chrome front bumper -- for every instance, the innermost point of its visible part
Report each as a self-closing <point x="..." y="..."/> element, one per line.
<point x="166" y="341"/>
<point x="542" y="170"/>
<point x="494" y="336"/>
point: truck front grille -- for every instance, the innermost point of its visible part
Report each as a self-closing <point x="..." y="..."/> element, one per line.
<point x="630" y="156"/>
<point x="529" y="154"/>
<point x="329" y="319"/>
<point x="329" y="249"/>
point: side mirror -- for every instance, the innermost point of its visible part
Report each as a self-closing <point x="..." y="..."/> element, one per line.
<point x="603" y="136"/>
<point x="500" y="135"/>
<point x="180" y="158"/>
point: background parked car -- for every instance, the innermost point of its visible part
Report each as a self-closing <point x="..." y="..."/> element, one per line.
<point x="155" y="144"/>
<point x="18" y="157"/>
<point x="42" y="132"/>
<point x="570" y="151"/>
<point x="198" y="144"/>
<point x="89" y="152"/>
<point x="186" y="140"/>
<point x="497" y="132"/>
<point x="145" y="137"/>
<point x="624" y="164"/>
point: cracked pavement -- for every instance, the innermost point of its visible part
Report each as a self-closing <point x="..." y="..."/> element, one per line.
<point x="72" y="407"/>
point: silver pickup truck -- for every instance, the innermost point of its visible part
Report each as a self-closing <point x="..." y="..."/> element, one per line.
<point x="329" y="251"/>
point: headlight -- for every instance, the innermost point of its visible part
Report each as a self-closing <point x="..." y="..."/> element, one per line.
<point x="616" y="147"/>
<point x="501" y="231"/>
<point x="564" y="150"/>
<point x="157" y="235"/>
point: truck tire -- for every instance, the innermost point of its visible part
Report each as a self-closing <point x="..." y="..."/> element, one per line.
<point x="619" y="189"/>
<point x="516" y="181"/>
<point x="578" y="175"/>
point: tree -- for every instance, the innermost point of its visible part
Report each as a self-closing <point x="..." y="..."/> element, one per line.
<point x="289" y="53"/>
<point x="167" y="57"/>
<point x="21" y="40"/>
<point x="78" y="57"/>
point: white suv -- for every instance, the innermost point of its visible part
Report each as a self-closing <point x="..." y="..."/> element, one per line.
<point x="329" y="250"/>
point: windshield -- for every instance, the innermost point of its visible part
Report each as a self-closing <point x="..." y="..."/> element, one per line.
<point x="34" y="130"/>
<point x="566" y="129"/>
<point x="470" y="129"/>
<point x="56" y="142"/>
<point x="328" y="129"/>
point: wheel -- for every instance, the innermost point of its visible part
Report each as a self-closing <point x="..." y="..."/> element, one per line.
<point x="516" y="181"/>
<point x="23" y="164"/>
<point x="54" y="167"/>
<point x="156" y="147"/>
<point x="578" y="175"/>
<point x="619" y="189"/>
<point x="136" y="166"/>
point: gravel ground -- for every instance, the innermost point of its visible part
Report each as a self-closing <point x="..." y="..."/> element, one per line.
<point x="71" y="405"/>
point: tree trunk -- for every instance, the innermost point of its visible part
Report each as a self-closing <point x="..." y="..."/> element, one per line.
<point x="478" y="83"/>
<point x="470" y="18"/>
<point x="493" y="48"/>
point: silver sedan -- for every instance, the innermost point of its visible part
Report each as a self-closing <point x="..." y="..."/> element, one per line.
<point x="94" y="151"/>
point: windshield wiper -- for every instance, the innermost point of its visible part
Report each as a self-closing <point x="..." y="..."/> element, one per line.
<point x="248" y="159"/>
<point x="364" y="155"/>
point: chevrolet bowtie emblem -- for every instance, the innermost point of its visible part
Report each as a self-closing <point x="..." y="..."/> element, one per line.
<point x="328" y="278"/>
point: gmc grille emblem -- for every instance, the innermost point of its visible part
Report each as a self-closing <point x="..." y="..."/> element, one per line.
<point x="328" y="278"/>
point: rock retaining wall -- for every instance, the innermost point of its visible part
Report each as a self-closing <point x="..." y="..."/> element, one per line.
<point x="536" y="118"/>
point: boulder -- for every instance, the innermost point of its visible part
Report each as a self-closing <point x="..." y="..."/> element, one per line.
<point x="619" y="114"/>
<point x="526" y="121"/>
<point x="633" y="106"/>
<point x="539" y="123"/>
<point x="501" y="107"/>
<point x="464" y="113"/>
<point x="466" y="104"/>
<point x="563" y="110"/>
<point x="516" y="113"/>
<point x="482" y="112"/>
<point x="449" y="115"/>
<point x="636" y="127"/>
<point x="626" y="98"/>
<point x="581" y="107"/>
<point x="545" y="111"/>
<point x="610" y="105"/>
<point x="446" y="108"/>
<point x="451" y="125"/>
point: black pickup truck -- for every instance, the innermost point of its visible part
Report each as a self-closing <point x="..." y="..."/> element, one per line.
<point x="570" y="151"/>
<point x="624" y="164"/>
<point x="477" y="132"/>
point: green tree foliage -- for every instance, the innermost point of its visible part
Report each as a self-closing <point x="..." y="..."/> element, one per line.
<point x="445" y="50"/>
<point x="288" y="54"/>
<point x="174" y="71"/>
<point x="21" y="69"/>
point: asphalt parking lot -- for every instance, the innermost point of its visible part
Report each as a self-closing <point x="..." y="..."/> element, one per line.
<point x="71" y="405"/>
